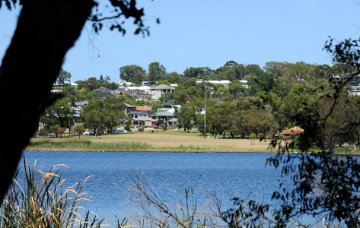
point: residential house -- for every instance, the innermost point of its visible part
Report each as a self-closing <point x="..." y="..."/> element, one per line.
<point x="140" y="118"/>
<point x="78" y="106"/>
<point x="103" y="92"/>
<point x="119" y="91"/>
<point x="138" y="94"/>
<point x="354" y="85"/>
<point x="166" y="115"/>
<point x="57" y="88"/>
<point x="125" y="83"/>
<point x="129" y="108"/>
<point x="158" y="91"/>
<point x="162" y="116"/>
<point x="146" y="83"/>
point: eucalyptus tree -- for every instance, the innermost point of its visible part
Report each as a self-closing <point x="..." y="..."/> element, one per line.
<point x="174" y="77"/>
<point x="114" y="107"/>
<point x="104" y="114"/>
<point x="132" y="73"/>
<point x="62" y="111"/>
<point x="187" y="116"/>
<point x="156" y="72"/>
<point x="199" y="72"/>
<point x="230" y="71"/>
<point x="93" y="116"/>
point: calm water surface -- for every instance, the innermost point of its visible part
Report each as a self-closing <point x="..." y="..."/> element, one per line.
<point x="228" y="174"/>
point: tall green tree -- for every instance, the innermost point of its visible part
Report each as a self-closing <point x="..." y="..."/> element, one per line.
<point x="156" y="72"/>
<point x="132" y="73"/>
<point x="187" y="116"/>
<point x="174" y="77"/>
<point x="114" y="108"/>
<point x="199" y="72"/>
<point x="93" y="83"/>
<point x="230" y="71"/>
<point x="104" y="114"/>
<point x="93" y="116"/>
<point x="237" y="90"/>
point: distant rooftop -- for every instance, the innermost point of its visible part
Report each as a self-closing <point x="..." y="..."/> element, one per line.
<point x="162" y="86"/>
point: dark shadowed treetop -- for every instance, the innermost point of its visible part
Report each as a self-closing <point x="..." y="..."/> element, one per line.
<point x="156" y="72"/>
<point x="230" y="71"/>
<point x="199" y="72"/>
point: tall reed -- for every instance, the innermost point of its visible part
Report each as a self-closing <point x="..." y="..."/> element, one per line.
<point x="40" y="199"/>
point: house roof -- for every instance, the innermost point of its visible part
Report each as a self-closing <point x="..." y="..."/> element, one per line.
<point x="102" y="89"/>
<point x="138" y="113"/>
<point x="143" y="108"/>
<point x="163" y="114"/>
<point x="103" y="92"/>
<point x="129" y="105"/>
<point x="168" y="104"/>
<point x="162" y="86"/>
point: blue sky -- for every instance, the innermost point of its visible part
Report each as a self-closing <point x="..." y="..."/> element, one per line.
<point x="211" y="32"/>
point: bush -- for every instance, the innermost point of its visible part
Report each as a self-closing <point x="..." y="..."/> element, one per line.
<point x="252" y="137"/>
<point x="43" y="132"/>
<point x="261" y="136"/>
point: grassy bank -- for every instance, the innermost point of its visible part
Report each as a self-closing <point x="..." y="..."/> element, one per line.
<point x="177" y="141"/>
<point x="162" y="141"/>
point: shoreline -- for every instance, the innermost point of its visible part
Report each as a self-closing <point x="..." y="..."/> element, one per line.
<point x="145" y="151"/>
<point x="171" y="151"/>
<point x="161" y="142"/>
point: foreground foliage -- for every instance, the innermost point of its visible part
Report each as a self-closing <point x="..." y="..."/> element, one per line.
<point x="40" y="199"/>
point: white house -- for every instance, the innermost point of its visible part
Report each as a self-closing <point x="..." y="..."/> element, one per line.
<point x="140" y="118"/>
<point x="158" y="91"/>
<point x="225" y="83"/>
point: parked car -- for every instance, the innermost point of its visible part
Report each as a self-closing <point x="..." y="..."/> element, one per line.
<point x="87" y="132"/>
<point x="118" y="131"/>
<point x="91" y="132"/>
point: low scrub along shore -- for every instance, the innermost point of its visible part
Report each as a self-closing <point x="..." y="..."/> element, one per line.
<point x="167" y="141"/>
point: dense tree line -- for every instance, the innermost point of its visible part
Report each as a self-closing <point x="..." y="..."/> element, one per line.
<point x="268" y="103"/>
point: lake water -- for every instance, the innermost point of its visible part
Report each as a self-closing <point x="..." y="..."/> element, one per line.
<point x="227" y="174"/>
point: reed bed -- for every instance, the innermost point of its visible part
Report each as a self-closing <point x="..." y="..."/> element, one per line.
<point x="84" y="145"/>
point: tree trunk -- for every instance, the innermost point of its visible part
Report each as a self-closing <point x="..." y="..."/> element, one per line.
<point x="45" y="31"/>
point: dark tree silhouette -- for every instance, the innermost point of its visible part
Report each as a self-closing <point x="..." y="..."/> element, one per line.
<point x="45" y="31"/>
<point x="322" y="184"/>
